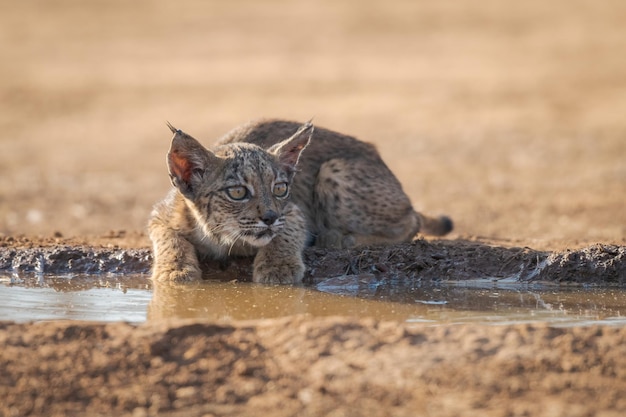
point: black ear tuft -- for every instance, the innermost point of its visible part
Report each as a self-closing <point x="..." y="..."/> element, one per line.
<point x="172" y="128"/>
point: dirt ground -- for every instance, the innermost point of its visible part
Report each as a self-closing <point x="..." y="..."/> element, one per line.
<point x="326" y="367"/>
<point x="507" y="116"/>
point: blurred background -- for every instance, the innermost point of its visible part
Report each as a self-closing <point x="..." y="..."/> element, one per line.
<point x="509" y="116"/>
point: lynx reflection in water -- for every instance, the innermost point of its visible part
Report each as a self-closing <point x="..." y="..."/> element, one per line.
<point x="246" y="301"/>
<point x="136" y="299"/>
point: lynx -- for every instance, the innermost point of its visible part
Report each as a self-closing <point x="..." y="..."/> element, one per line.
<point x="270" y="188"/>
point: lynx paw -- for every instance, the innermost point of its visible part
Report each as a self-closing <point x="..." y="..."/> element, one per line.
<point x="186" y="274"/>
<point x="336" y="240"/>
<point x="285" y="272"/>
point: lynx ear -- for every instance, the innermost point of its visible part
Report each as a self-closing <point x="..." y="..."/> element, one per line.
<point x="187" y="160"/>
<point x="289" y="150"/>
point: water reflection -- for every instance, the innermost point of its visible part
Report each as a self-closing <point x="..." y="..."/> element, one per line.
<point x="245" y="301"/>
<point x="489" y="296"/>
<point x="136" y="298"/>
<point x="442" y="304"/>
<point x="74" y="297"/>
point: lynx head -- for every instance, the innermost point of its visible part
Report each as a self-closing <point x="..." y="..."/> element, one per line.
<point x="238" y="191"/>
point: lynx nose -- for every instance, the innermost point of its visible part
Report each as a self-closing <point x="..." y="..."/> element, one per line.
<point x="269" y="217"/>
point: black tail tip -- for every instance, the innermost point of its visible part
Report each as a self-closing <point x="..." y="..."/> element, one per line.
<point x="447" y="225"/>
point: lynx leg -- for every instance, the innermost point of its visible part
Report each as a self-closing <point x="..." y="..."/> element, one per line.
<point x="175" y="257"/>
<point x="360" y="203"/>
<point x="280" y="261"/>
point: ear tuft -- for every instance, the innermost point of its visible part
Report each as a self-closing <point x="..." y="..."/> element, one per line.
<point x="289" y="150"/>
<point x="172" y="128"/>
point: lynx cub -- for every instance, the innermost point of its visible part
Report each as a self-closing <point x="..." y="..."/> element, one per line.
<point x="270" y="188"/>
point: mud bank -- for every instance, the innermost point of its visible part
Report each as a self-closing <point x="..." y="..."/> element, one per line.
<point x="418" y="261"/>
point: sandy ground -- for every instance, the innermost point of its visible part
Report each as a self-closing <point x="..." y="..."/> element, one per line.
<point x="326" y="367"/>
<point x="507" y="116"/>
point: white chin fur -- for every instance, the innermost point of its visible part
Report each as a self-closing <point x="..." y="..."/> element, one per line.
<point x="258" y="242"/>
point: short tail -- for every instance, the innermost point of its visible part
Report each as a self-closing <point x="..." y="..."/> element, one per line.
<point x="435" y="226"/>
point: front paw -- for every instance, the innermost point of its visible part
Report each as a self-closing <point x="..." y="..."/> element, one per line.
<point x="279" y="272"/>
<point x="185" y="274"/>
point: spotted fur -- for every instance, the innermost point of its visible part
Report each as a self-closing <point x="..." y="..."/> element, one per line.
<point x="269" y="187"/>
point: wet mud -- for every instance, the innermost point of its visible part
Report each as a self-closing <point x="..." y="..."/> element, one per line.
<point x="420" y="261"/>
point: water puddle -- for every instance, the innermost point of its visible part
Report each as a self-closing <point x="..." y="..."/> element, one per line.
<point x="89" y="298"/>
<point x="135" y="299"/>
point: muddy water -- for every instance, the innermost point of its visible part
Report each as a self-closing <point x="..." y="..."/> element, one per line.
<point x="135" y="299"/>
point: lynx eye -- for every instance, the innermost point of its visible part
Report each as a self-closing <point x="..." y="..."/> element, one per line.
<point x="280" y="189"/>
<point x="237" y="193"/>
